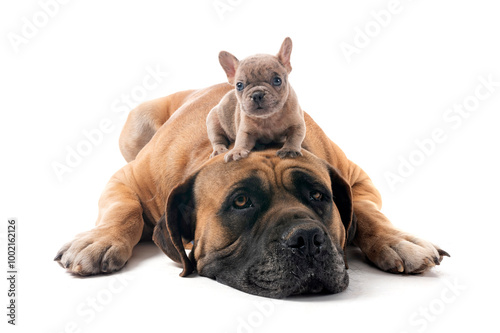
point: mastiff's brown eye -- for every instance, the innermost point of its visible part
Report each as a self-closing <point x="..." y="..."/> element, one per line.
<point x="316" y="195"/>
<point x="242" y="201"/>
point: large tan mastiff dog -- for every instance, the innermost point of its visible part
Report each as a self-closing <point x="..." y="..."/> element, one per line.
<point x="267" y="226"/>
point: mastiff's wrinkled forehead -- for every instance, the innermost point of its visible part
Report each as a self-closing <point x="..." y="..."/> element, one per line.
<point x="267" y="226"/>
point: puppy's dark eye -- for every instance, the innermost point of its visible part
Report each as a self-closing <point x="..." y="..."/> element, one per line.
<point x="240" y="86"/>
<point x="315" y="196"/>
<point x="276" y="81"/>
<point x="242" y="202"/>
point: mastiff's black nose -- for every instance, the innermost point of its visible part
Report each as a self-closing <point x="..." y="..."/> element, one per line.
<point x="305" y="240"/>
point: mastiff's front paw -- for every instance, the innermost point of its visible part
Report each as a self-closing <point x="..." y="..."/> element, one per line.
<point x="94" y="252"/>
<point x="404" y="253"/>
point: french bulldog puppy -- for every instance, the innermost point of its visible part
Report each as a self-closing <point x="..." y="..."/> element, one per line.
<point x="263" y="108"/>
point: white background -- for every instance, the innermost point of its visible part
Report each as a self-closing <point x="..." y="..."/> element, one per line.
<point x="73" y="72"/>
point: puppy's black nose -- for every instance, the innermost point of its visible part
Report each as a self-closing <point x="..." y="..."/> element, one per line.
<point x="306" y="241"/>
<point x="258" y="96"/>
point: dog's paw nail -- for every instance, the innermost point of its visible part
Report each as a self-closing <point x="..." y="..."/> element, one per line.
<point x="104" y="267"/>
<point x="58" y="257"/>
<point x="399" y="266"/>
<point x="429" y="262"/>
<point x="443" y="253"/>
<point x="66" y="264"/>
<point x="78" y="269"/>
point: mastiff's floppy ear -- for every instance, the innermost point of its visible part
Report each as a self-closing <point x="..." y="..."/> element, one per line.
<point x="342" y="196"/>
<point x="178" y="224"/>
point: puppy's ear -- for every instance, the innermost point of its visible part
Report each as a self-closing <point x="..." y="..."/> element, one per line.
<point x="230" y="64"/>
<point x="177" y="225"/>
<point x="284" y="54"/>
<point x="342" y="196"/>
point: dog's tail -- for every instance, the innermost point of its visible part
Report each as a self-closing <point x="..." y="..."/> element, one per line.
<point x="145" y="120"/>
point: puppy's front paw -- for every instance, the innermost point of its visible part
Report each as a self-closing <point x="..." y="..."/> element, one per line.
<point x="404" y="253"/>
<point x="236" y="154"/>
<point x="288" y="152"/>
<point x="218" y="150"/>
<point x="93" y="252"/>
